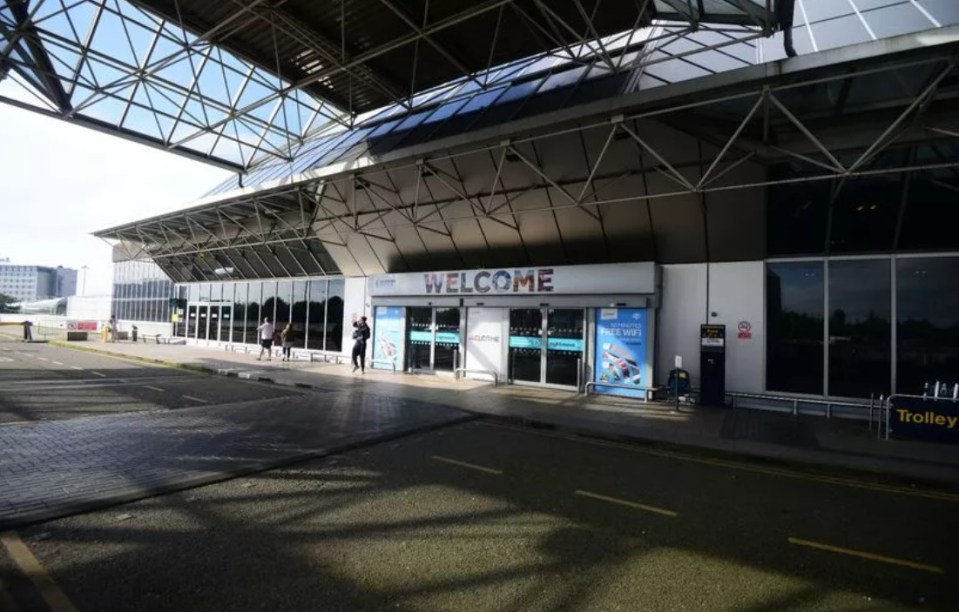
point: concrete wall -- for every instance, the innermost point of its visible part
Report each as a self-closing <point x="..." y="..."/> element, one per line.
<point x="723" y="293"/>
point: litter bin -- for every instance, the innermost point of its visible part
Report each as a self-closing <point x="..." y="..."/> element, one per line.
<point x="133" y="333"/>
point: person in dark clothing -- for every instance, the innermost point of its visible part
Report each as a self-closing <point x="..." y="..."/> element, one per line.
<point x="27" y="332"/>
<point x="361" y="333"/>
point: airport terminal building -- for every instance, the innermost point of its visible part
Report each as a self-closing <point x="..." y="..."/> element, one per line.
<point x="563" y="193"/>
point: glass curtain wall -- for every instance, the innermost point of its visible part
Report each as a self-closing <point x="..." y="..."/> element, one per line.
<point x="315" y="308"/>
<point x="927" y="322"/>
<point x="795" y="293"/>
<point x="141" y="292"/>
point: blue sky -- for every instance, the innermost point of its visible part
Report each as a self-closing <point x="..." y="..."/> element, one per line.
<point x="60" y="182"/>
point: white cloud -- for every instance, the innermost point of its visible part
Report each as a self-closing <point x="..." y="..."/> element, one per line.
<point x="60" y="182"/>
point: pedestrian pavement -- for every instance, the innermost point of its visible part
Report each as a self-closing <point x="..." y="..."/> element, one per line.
<point x="765" y="435"/>
<point x="52" y="469"/>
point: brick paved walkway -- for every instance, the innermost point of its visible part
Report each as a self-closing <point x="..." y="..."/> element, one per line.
<point x="54" y="468"/>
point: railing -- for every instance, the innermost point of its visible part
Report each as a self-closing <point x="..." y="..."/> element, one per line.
<point x="647" y="391"/>
<point x="465" y="371"/>
<point x="796" y="401"/>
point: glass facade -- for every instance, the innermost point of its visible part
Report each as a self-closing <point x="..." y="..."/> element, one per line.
<point x="141" y="292"/>
<point x="795" y="326"/>
<point x="314" y="307"/>
<point x="890" y="320"/>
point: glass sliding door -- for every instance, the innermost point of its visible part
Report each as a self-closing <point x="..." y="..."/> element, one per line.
<point x="447" y="339"/>
<point x="565" y="329"/>
<point x="334" y="315"/>
<point x="860" y="336"/>
<point x="226" y="322"/>
<point x="203" y="322"/>
<point x="419" y="334"/>
<point x="316" y="315"/>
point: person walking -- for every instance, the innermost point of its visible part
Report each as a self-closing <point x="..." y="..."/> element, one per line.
<point x="287" y="336"/>
<point x="112" y="328"/>
<point x="361" y="333"/>
<point x="266" y="339"/>
<point x="27" y="332"/>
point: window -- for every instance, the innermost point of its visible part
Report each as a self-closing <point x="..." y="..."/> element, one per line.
<point x="927" y="322"/>
<point x="334" y="315"/>
<point x="860" y="351"/>
<point x="316" y="314"/>
<point x="239" y="313"/>
<point x="298" y="311"/>
<point x="864" y="215"/>
<point x="794" y="327"/>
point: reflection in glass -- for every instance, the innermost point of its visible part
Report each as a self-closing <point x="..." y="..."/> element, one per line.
<point x="253" y="311"/>
<point x="283" y="291"/>
<point x="299" y="314"/>
<point x="316" y="315"/>
<point x="864" y="214"/>
<point x="203" y="322"/>
<point x="447" y="339"/>
<point x="419" y="335"/>
<point x="334" y="315"/>
<point x="860" y="350"/>
<point x="526" y="344"/>
<point x="564" y="345"/>
<point x="794" y="327"/>
<point x="927" y="322"/>
<point x="239" y="314"/>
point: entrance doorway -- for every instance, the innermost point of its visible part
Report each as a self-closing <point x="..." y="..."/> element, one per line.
<point x="210" y="322"/>
<point x="546" y="345"/>
<point x="433" y="338"/>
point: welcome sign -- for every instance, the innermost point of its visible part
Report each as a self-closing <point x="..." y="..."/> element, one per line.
<point x="630" y="278"/>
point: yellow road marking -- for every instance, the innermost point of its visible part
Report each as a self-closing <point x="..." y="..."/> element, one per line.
<point x="467" y="465"/>
<point x="49" y="590"/>
<point x="195" y="399"/>
<point x="624" y="502"/>
<point x="867" y="555"/>
<point x="6" y="600"/>
<point x="152" y="388"/>
<point x="846" y="482"/>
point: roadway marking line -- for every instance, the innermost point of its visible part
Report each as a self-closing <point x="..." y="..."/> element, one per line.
<point x="75" y="368"/>
<point x="98" y="373"/>
<point x="152" y="388"/>
<point x="856" y="484"/>
<point x="196" y="399"/>
<point x="624" y="502"/>
<point x="472" y="466"/>
<point x="42" y="358"/>
<point x="866" y="555"/>
<point x="57" y="362"/>
<point x="48" y="589"/>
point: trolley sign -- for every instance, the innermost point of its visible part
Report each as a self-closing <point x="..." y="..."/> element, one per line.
<point x="924" y="418"/>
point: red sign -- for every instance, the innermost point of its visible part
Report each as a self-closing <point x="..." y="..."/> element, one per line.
<point x="745" y="330"/>
<point x="82" y="326"/>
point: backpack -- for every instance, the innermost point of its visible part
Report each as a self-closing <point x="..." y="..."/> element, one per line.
<point x="357" y="334"/>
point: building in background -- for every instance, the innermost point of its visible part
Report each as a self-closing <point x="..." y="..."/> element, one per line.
<point x="66" y="282"/>
<point x="32" y="283"/>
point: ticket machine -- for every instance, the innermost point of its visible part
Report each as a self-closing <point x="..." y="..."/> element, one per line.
<point x="712" y="365"/>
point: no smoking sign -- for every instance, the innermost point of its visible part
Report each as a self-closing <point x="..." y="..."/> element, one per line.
<point x="745" y="330"/>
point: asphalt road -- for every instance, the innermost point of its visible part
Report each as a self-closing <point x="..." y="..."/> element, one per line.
<point x="483" y="516"/>
<point x="43" y="382"/>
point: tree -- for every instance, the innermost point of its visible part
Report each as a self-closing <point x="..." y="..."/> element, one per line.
<point x="7" y="303"/>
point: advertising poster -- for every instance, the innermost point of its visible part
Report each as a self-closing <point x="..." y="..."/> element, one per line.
<point x="484" y="341"/>
<point x="388" y="325"/>
<point x="621" y="336"/>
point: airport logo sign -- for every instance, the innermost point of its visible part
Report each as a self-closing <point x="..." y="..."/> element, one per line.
<point x="612" y="279"/>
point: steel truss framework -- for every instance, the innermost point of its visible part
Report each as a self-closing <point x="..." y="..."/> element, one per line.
<point x="205" y="92"/>
<point x="546" y="195"/>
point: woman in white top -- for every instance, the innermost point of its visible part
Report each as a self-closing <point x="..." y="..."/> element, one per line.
<point x="266" y="339"/>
